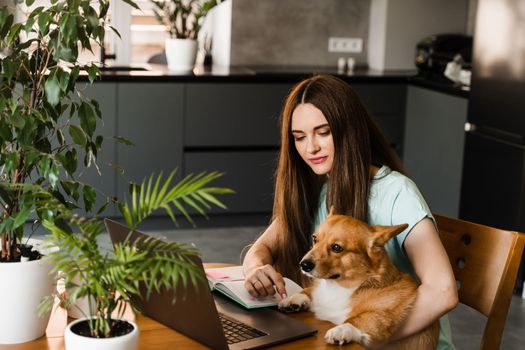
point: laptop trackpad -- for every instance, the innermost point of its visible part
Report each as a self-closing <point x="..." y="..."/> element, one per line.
<point x="279" y="327"/>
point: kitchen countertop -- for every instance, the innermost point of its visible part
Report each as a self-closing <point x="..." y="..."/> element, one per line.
<point x="272" y="74"/>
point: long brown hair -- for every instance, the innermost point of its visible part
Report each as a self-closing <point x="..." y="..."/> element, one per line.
<point x="358" y="144"/>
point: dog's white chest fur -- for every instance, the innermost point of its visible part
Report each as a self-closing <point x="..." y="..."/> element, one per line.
<point x="331" y="302"/>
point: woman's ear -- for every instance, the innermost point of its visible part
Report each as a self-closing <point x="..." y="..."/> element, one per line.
<point x="332" y="211"/>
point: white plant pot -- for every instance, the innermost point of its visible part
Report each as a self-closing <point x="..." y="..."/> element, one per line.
<point x="180" y="54"/>
<point x="74" y="341"/>
<point x="23" y="285"/>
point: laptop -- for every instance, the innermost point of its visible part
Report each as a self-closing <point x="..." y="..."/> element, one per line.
<point x="210" y="318"/>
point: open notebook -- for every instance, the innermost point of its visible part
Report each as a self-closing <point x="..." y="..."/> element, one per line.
<point x="230" y="282"/>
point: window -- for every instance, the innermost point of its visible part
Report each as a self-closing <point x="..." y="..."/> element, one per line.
<point x="141" y="34"/>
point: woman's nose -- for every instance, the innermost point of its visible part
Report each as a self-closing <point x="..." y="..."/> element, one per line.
<point x="312" y="146"/>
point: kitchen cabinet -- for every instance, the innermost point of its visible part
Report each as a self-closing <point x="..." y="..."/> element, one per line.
<point x="151" y="116"/>
<point x="249" y="173"/>
<point x="433" y="146"/>
<point x="233" y="128"/>
<point x="233" y="114"/>
<point x="386" y="103"/>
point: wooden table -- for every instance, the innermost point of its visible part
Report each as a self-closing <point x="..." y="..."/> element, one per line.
<point x="156" y="336"/>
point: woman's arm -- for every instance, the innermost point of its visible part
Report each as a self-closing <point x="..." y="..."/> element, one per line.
<point x="437" y="293"/>
<point x="261" y="277"/>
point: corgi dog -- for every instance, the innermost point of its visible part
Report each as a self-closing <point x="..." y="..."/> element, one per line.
<point x="357" y="287"/>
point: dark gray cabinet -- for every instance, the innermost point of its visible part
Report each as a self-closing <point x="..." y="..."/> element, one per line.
<point x="433" y="147"/>
<point x="233" y="128"/>
<point x="386" y="103"/>
<point x="151" y="116"/>
<point x="233" y="114"/>
<point x="217" y="126"/>
<point x="249" y="173"/>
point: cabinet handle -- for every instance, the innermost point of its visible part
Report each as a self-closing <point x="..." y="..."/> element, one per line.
<point x="469" y="127"/>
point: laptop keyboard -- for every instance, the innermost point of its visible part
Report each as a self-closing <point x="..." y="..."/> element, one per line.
<point x="236" y="331"/>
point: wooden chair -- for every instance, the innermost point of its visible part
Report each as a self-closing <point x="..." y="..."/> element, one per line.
<point x="485" y="261"/>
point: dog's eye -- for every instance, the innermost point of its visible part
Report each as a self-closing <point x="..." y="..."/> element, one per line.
<point x="336" y="248"/>
<point x="314" y="239"/>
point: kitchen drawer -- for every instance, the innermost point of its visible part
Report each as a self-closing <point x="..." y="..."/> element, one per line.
<point x="249" y="173"/>
<point x="233" y="114"/>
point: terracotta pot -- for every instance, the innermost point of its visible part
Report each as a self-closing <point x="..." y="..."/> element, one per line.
<point x="74" y="341"/>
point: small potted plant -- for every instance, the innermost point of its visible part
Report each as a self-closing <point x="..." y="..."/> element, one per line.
<point x="110" y="281"/>
<point x="183" y="20"/>
<point x="47" y="132"/>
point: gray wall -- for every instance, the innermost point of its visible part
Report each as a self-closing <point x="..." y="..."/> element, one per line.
<point x="295" y="32"/>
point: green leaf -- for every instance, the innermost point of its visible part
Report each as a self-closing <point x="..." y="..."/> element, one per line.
<point x="88" y="121"/>
<point x="93" y="72"/>
<point x="6" y="21"/>
<point x="8" y="68"/>
<point x="78" y="135"/>
<point x="123" y="140"/>
<point x="115" y="31"/>
<point x="43" y="22"/>
<point x="5" y="132"/>
<point x="53" y="175"/>
<point x="21" y="218"/>
<point x="30" y="2"/>
<point x="90" y="197"/>
<point x="52" y="88"/>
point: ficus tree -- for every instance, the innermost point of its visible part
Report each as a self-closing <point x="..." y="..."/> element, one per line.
<point x="48" y="127"/>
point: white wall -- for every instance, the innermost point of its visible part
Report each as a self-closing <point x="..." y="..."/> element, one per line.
<point x="398" y="25"/>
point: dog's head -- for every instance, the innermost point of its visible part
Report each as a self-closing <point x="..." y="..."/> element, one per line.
<point x="348" y="250"/>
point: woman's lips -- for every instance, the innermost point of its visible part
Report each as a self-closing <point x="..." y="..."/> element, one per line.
<point x="318" y="160"/>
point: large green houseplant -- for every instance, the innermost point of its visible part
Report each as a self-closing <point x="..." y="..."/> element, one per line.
<point x="47" y="133"/>
<point x="183" y="20"/>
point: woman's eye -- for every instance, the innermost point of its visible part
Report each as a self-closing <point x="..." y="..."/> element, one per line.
<point x="336" y="248"/>
<point x="324" y="132"/>
<point x="298" y="138"/>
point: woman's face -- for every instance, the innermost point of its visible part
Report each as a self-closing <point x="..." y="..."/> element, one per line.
<point x="313" y="138"/>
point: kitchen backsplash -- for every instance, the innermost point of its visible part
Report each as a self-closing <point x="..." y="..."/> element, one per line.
<point x="296" y="32"/>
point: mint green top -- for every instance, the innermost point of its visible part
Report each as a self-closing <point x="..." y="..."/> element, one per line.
<point x="394" y="199"/>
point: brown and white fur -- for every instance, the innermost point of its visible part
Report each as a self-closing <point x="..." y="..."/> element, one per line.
<point x="357" y="287"/>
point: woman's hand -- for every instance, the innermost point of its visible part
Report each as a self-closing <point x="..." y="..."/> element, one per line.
<point x="263" y="281"/>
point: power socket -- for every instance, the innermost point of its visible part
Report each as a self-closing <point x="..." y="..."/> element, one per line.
<point x="354" y="45"/>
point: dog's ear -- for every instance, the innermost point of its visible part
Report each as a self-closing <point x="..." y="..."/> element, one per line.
<point x="332" y="210"/>
<point x="382" y="234"/>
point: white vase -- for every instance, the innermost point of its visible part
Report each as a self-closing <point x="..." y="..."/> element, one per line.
<point x="180" y="54"/>
<point x="22" y="286"/>
<point x="74" y="341"/>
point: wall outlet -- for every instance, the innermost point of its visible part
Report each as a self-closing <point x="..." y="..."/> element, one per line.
<point x="354" y="45"/>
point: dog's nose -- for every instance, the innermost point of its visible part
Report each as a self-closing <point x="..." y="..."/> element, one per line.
<point x="307" y="265"/>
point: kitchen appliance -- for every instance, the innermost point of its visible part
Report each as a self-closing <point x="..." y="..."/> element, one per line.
<point x="493" y="180"/>
<point x="434" y="52"/>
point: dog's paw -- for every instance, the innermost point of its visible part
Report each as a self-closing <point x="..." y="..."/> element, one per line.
<point x="294" y="303"/>
<point x="346" y="333"/>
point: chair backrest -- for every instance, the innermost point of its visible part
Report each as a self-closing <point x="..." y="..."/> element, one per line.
<point x="485" y="261"/>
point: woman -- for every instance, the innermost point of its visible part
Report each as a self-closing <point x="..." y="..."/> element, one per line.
<point x="333" y="154"/>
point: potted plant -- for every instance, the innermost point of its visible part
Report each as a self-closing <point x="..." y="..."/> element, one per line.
<point x="111" y="282"/>
<point x="47" y="129"/>
<point x="183" y="20"/>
